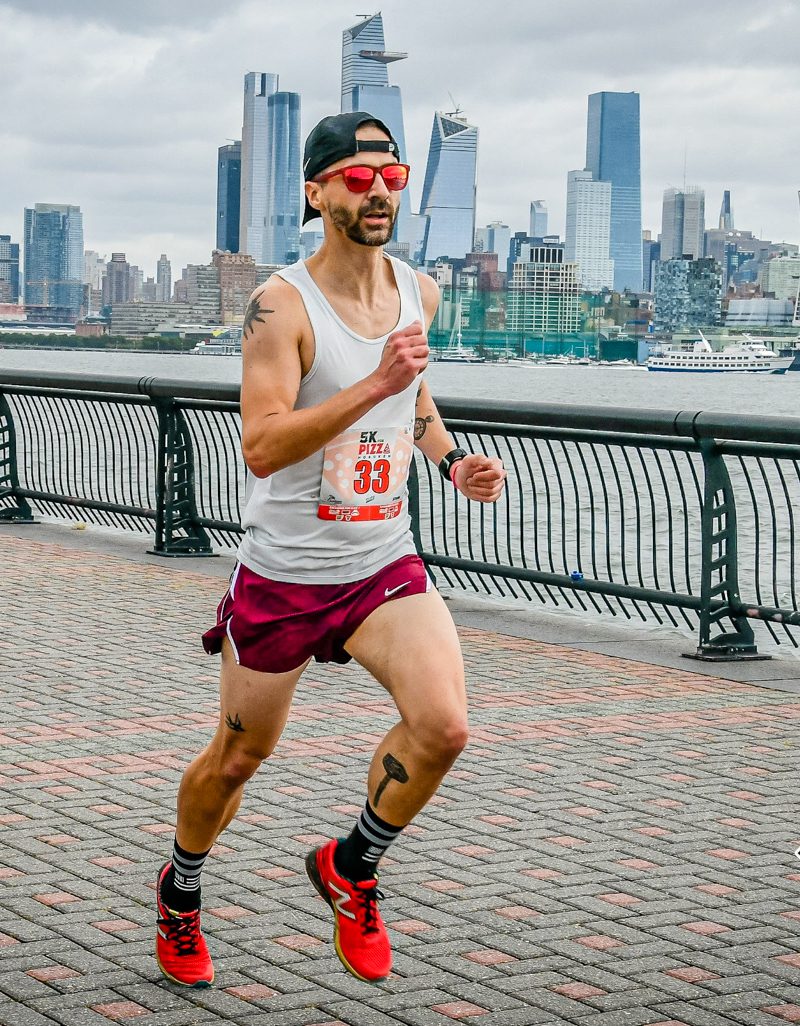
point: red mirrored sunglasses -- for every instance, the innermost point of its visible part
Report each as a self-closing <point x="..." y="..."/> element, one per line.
<point x="359" y="177"/>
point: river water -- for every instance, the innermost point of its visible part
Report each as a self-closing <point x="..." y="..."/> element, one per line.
<point x="764" y="394"/>
<point x="551" y="503"/>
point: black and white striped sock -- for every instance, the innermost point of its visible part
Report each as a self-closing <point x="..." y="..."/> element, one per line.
<point x="182" y="885"/>
<point x="358" y="855"/>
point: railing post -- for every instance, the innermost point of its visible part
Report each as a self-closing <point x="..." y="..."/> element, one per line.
<point x="178" y="531"/>
<point x="20" y="512"/>
<point x="413" y="512"/>
<point x="720" y="571"/>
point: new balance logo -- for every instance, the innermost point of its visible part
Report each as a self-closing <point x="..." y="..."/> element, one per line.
<point x="341" y="901"/>
<point x="393" y="591"/>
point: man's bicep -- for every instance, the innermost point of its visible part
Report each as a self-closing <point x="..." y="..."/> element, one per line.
<point x="271" y="366"/>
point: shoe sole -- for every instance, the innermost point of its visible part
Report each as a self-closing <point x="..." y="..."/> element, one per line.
<point x="316" y="880"/>
<point x="200" y="984"/>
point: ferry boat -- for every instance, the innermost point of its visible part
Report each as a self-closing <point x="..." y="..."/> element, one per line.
<point x="751" y="356"/>
<point x="221" y="343"/>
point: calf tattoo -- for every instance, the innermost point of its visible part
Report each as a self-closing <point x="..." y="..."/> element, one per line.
<point x="395" y="770"/>
<point x="234" y="724"/>
<point x="253" y="313"/>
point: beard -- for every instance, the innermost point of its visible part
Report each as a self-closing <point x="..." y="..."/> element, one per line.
<point x="350" y="223"/>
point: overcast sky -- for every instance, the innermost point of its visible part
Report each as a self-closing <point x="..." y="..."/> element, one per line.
<point x="120" y="107"/>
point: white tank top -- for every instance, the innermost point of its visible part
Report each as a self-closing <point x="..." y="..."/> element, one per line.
<point x="341" y="514"/>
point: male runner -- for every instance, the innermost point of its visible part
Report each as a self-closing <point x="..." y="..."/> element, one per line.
<point x="332" y="405"/>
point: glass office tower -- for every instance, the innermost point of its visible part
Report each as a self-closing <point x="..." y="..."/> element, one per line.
<point x="258" y="87"/>
<point x="365" y="86"/>
<point x="54" y="258"/>
<point x="448" y="193"/>
<point x="9" y="270"/>
<point x="284" y="179"/>
<point x="613" y="155"/>
<point x="229" y="185"/>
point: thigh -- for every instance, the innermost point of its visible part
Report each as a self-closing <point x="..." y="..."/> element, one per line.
<point x="411" y="647"/>
<point x="254" y="706"/>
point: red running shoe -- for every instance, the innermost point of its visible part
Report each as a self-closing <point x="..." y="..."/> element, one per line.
<point x="181" y="950"/>
<point x="362" y="943"/>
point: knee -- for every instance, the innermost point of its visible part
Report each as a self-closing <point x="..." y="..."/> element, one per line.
<point x="444" y="739"/>
<point x="235" y="768"/>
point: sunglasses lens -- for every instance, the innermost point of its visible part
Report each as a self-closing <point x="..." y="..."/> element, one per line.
<point x="395" y="176"/>
<point x="358" y="179"/>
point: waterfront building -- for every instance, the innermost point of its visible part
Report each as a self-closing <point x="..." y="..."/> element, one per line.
<point x="149" y="291"/>
<point x="237" y="280"/>
<point x="588" y="231"/>
<point x="543" y="292"/>
<point x="117" y="281"/>
<point x="53" y="248"/>
<point x="9" y="270"/>
<point x="688" y="294"/>
<point x="448" y="192"/>
<point x="258" y="87"/>
<point x="229" y="187"/>
<point x="759" y="313"/>
<point x="481" y="242"/>
<point x="613" y="155"/>
<point x="365" y="86"/>
<point x="780" y="277"/>
<point x="683" y="224"/>
<point x="310" y="243"/>
<point x="284" y="179"/>
<point x="203" y="292"/>
<point x="538" y="219"/>
<point x="163" y="279"/>
<point x="135" y="320"/>
<point x="94" y="267"/>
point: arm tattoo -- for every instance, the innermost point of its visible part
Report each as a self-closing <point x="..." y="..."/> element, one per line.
<point x="253" y="316"/>
<point x="234" y="724"/>
<point x="421" y="426"/>
<point x="395" y="770"/>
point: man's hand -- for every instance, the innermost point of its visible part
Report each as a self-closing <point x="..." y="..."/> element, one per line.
<point x="405" y="355"/>
<point x="480" y="477"/>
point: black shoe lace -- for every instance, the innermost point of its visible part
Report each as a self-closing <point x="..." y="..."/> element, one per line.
<point x="183" y="932"/>
<point x="369" y="897"/>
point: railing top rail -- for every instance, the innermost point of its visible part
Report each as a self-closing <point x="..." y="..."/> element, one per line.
<point x="671" y="423"/>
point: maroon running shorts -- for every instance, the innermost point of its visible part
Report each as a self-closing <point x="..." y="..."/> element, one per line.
<point x="274" y="626"/>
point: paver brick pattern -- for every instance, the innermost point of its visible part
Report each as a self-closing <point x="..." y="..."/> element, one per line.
<point x="614" y="846"/>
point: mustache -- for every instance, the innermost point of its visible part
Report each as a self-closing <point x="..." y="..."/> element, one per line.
<point x="376" y="207"/>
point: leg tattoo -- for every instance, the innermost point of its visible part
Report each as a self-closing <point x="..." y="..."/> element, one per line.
<point x="234" y="724"/>
<point x="395" y="770"/>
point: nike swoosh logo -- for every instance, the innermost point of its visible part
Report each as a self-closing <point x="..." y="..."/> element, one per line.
<point x="392" y="591"/>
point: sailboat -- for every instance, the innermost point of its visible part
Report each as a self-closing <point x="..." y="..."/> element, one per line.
<point x="456" y="351"/>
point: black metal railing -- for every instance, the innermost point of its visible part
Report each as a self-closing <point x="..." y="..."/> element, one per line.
<point x="685" y="518"/>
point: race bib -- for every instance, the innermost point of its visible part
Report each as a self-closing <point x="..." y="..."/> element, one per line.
<point x="364" y="474"/>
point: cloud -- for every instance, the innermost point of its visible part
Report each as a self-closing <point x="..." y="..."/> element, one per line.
<point x="121" y="107"/>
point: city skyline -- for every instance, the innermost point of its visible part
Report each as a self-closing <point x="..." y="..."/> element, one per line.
<point x="144" y="171"/>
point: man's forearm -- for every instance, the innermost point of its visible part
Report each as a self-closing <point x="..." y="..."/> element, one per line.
<point x="280" y="439"/>
<point x="430" y="435"/>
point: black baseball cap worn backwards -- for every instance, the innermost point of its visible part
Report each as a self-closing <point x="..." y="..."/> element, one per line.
<point x="334" y="138"/>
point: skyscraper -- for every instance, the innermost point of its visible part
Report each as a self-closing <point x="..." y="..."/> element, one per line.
<point x="258" y="87"/>
<point x="612" y="155"/>
<point x="683" y="224"/>
<point x="229" y="187"/>
<point x="538" y="225"/>
<point x="365" y="86"/>
<point x="284" y="179"/>
<point x="9" y="270"/>
<point x="588" y="233"/>
<point x="448" y="193"/>
<point x="117" y="283"/>
<point x="164" y="278"/>
<point x="726" y="212"/>
<point x="54" y="259"/>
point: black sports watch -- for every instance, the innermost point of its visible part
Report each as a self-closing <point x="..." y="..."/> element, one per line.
<point x="447" y="461"/>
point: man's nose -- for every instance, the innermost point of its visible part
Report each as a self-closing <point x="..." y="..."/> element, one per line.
<point x="378" y="187"/>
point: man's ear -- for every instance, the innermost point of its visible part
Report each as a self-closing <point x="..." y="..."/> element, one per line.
<point x="314" y="194"/>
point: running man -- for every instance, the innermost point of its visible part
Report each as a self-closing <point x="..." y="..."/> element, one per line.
<point x="333" y="403"/>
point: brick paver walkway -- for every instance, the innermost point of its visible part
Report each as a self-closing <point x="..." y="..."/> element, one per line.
<point x="613" y="848"/>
